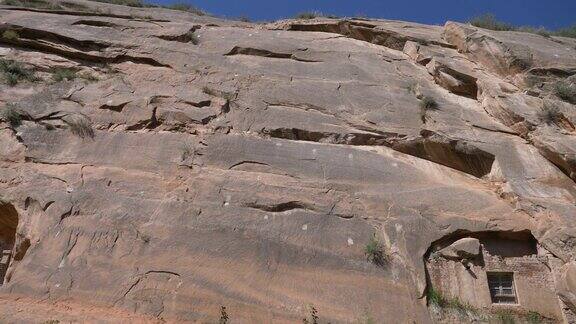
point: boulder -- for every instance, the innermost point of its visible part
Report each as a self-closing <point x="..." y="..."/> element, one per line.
<point x="465" y="248"/>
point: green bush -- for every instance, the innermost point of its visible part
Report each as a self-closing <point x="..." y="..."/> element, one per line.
<point x="129" y="3"/>
<point x="63" y="74"/>
<point x="567" y="32"/>
<point x="10" y="35"/>
<point x="182" y="6"/>
<point x="427" y="104"/>
<point x="81" y="127"/>
<point x="550" y="114"/>
<point x="223" y="315"/>
<point x="505" y="317"/>
<point x="534" y="317"/>
<point x="35" y="4"/>
<point x="436" y="298"/>
<point x="13" y="72"/>
<point x="374" y="252"/>
<point x="313" y="318"/>
<point x="192" y="37"/>
<point x="308" y="15"/>
<point x="489" y="21"/>
<point x="566" y="91"/>
<point x="12" y="115"/>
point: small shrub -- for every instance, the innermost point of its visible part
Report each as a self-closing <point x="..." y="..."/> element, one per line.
<point x="534" y="317"/>
<point x="307" y="15"/>
<point x="550" y="114"/>
<point x="11" y="78"/>
<point x="436" y="298"/>
<point x="505" y="317"/>
<point x="12" y="115"/>
<point x="412" y="88"/>
<point x="192" y="37"/>
<point x="129" y="3"/>
<point x="566" y="91"/>
<point x="539" y="31"/>
<point x="426" y="104"/>
<point x="62" y="74"/>
<point x="13" y="72"/>
<point x="51" y="322"/>
<point x="374" y="252"/>
<point x="36" y="4"/>
<point x="188" y="150"/>
<point x="566" y="32"/>
<point x="10" y="35"/>
<point x="88" y="76"/>
<point x="81" y="127"/>
<point x="223" y="315"/>
<point x="313" y="317"/>
<point x="186" y="7"/>
<point x="244" y="19"/>
<point x="489" y="21"/>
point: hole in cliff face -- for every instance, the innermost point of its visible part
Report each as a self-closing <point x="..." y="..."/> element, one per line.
<point x="8" y="225"/>
<point x="455" y="154"/>
<point x="478" y="275"/>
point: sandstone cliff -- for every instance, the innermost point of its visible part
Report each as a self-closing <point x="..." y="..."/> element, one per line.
<point x="157" y="165"/>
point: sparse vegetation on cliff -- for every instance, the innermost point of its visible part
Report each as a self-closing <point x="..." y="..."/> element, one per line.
<point x="375" y="252"/>
<point x="489" y="21"/>
<point x="81" y="127"/>
<point x="35" y="4"/>
<point x="566" y="91"/>
<point x="550" y="114"/>
<point x="313" y="317"/>
<point x="10" y="35"/>
<point x="63" y="74"/>
<point x="14" y="72"/>
<point x="11" y="114"/>
<point x="427" y="104"/>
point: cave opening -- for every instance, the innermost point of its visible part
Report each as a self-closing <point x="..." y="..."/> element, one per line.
<point x="8" y="226"/>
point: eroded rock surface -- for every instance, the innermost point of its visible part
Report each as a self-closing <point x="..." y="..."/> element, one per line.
<point x="196" y="162"/>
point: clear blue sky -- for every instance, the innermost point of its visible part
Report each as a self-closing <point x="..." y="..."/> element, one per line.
<point x="548" y="13"/>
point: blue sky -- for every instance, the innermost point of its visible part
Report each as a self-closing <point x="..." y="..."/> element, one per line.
<point x="548" y="13"/>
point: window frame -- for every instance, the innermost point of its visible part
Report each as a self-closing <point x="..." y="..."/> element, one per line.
<point x="496" y="281"/>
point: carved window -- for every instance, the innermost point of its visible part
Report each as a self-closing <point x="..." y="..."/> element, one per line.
<point x="501" y="286"/>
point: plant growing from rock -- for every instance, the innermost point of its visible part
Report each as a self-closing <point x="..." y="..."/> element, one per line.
<point x="550" y="114"/>
<point x="182" y="6"/>
<point x="10" y="35"/>
<point x="13" y="72"/>
<point x="81" y="127"/>
<point x="223" y="315"/>
<point x="566" y="91"/>
<point x="12" y="115"/>
<point x="534" y="317"/>
<point x="313" y="318"/>
<point x="192" y="37"/>
<point x="63" y="74"/>
<point x="308" y="15"/>
<point x="374" y="252"/>
<point x="427" y="104"/>
<point x="505" y="317"/>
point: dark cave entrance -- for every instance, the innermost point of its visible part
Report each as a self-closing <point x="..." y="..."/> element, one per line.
<point x="8" y="225"/>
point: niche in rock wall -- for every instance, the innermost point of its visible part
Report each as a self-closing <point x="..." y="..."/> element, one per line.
<point x="8" y="226"/>
<point x="491" y="273"/>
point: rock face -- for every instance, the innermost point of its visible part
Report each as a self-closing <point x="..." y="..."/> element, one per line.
<point x="195" y="162"/>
